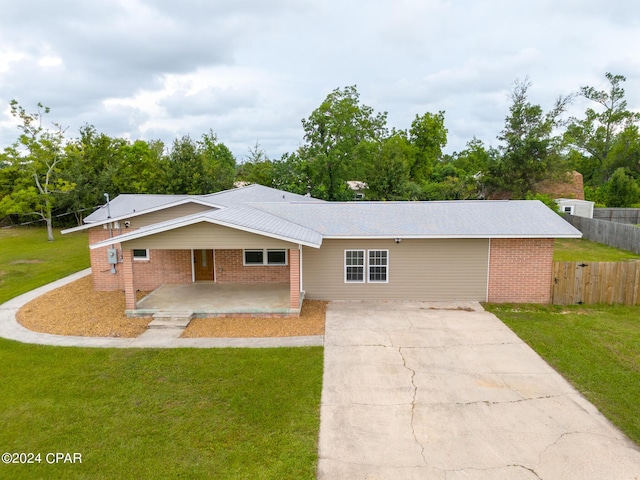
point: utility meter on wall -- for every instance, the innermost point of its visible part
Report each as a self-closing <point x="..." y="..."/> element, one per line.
<point x="112" y="256"/>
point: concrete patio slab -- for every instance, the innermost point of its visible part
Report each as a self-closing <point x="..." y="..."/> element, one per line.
<point x="414" y="390"/>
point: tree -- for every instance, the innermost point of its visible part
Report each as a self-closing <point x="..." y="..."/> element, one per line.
<point x="200" y="167"/>
<point x="387" y="174"/>
<point x="593" y="139"/>
<point x="530" y="150"/>
<point x="428" y="135"/>
<point x="621" y="190"/>
<point x="332" y="133"/>
<point x="36" y="162"/>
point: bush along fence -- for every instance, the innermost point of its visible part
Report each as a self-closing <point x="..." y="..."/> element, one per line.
<point x="614" y="234"/>
<point x="596" y="282"/>
<point x="619" y="215"/>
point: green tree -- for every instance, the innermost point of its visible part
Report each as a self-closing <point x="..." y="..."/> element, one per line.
<point x="332" y="133"/>
<point x="530" y="150"/>
<point x="199" y="167"/>
<point x="388" y="170"/>
<point x="36" y="162"/>
<point x="621" y="190"/>
<point x="428" y="135"/>
<point x="594" y="140"/>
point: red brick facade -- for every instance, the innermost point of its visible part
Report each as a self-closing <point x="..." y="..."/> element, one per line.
<point x="163" y="266"/>
<point x="294" y="279"/>
<point x="230" y="269"/>
<point x="520" y="270"/>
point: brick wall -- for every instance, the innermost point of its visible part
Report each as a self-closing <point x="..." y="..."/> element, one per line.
<point x="163" y="266"/>
<point x="520" y="270"/>
<point x="230" y="269"/>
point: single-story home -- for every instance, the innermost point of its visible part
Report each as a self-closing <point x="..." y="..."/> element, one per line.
<point x="482" y="250"/>
<point x="574" y="206"/>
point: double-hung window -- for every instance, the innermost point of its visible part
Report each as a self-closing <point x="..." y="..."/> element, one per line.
<point x="354" y="266"/>
<point x="370" y="266"/>
<point x="378" y="265"/>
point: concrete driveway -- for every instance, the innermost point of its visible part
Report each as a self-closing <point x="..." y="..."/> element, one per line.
<point x="429" y="391"/>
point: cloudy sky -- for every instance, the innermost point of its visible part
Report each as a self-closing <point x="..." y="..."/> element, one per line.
<point x="250" y="70"/>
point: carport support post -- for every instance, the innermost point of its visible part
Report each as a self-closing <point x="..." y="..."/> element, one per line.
<point x="294" y="279"/>
<point x="129" y="288"/>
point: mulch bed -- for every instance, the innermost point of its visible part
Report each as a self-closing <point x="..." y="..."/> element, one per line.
<point x="76" y="309"/>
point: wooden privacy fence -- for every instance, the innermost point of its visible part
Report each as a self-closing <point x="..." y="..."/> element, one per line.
<point x="596" y="282"/>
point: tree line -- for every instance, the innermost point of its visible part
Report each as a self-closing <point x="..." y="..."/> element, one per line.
<point x="47" y="175"/>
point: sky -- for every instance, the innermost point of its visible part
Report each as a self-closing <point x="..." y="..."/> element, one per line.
<point x="251" y="70"/>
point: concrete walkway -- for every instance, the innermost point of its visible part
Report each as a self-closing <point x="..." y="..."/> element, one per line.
<point x="413" y="392"/>
<point x="161" y="338"/>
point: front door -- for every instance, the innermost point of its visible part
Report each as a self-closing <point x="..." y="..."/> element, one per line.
<point x="203" y="264"/>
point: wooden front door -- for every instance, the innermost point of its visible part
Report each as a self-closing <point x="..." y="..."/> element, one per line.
<point x="203" y="264"/>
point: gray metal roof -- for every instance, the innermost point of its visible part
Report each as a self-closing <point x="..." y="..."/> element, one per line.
<point x="239" y="217"/>
<point x="128" y="205"/>
<point x="306" y="220"/>
<point x="449" y="219"/>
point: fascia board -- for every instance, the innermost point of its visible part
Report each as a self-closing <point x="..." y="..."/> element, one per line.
<point x="391" y="237"/>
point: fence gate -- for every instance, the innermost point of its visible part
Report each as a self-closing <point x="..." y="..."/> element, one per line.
<point x="596" y="282"/>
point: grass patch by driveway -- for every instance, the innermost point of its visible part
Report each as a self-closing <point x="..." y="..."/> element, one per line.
<point x="595" y="347"/>
<point x="28" y="260"/>
<point x="174" y="413"/>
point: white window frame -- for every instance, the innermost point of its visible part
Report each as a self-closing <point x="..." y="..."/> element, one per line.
<point x="568" y="209"/>
<point x="385" y="266"/>
<point x="138" y="258"/>
<point x="265" y="257"/>
<point x="363" y="266"/>
<point x="366" y="265"/>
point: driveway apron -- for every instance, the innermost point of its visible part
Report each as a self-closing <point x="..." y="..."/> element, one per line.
<point x="418" y="390"/>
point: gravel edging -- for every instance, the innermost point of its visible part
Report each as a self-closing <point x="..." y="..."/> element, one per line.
<point x="76" y="309"/>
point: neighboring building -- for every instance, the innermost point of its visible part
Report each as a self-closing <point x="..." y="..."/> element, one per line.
<point x="496" y="251"/>
<point x="579" y="208"/>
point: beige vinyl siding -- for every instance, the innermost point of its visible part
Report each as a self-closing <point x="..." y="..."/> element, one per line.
<point x="206" y="236"/>
<point x="166" y="214"/>
<point x="427" y="270"/>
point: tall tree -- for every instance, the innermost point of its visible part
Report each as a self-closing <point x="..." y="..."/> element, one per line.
<point x="593" y="139"/>
<point x="530" y="149"/>
<point x="429" y="135"/>
<point x="36" y="161"/>
<point x="332" y="133"/>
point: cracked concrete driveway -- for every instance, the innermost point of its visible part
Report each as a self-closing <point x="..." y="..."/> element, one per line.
<point x="424" y="391"/>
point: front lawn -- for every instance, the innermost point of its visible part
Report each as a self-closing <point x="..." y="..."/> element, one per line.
<point x="595" y="347"/>
<point x="152" y="413"/>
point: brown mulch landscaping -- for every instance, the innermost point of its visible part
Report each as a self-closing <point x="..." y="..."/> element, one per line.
<point x="76" y="309"/>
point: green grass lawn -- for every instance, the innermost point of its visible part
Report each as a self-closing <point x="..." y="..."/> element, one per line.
<point x="595" y="347"/>
<point x="149" y="413"/>
<point x="155" y="413"/>
<point x="579" y="250"/>
<point x="28" y="260"/>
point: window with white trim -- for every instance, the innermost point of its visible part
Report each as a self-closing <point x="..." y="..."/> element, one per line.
<point x="140" y="254"/>
<point x="354" y="266"/>
<point x="568" y="209"/>
<point x="378" y="266"/>
<point x="374" y="262"/>
<point x="265" y="257"/>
